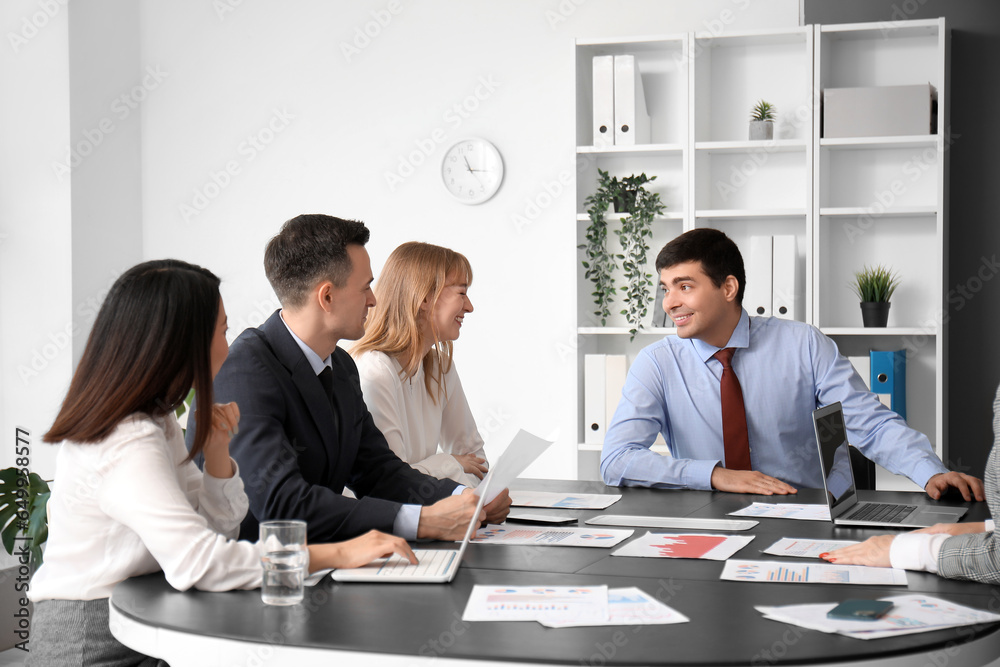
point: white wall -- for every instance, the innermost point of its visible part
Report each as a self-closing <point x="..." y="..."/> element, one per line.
<point x="330" y="125"/>
<point x="36" y="311"/>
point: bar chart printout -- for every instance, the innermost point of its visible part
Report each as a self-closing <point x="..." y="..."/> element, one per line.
<point x="816" y="573"/>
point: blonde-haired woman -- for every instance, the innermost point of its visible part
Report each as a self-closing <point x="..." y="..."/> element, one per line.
<point x="408" y="376"/>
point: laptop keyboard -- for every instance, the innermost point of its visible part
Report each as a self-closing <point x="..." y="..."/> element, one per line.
<point x="882" y="512"/>
<point x="432" y="562"/>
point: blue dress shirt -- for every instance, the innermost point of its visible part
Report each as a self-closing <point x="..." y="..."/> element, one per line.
<point x="786" y="370"/>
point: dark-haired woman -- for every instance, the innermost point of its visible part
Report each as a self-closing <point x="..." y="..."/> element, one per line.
<point x="127" y="499"/>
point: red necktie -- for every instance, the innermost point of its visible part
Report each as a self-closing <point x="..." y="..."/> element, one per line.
<point x="734" y="416"/>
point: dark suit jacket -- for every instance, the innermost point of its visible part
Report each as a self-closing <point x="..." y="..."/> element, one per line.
<point x="293" y="462"/>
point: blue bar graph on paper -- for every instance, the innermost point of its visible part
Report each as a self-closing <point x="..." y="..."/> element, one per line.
<point x="889" y="377"/>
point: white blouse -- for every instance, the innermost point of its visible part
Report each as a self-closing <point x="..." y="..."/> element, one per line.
<point x="126" y="506"/>
<point x="414" y="425"/>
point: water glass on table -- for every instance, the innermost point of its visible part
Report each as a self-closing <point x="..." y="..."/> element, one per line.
<point x="284" y="557"/>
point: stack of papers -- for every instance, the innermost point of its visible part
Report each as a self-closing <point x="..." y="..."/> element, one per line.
<point x="815" y="573"/>
<point x="786" y="511"/>
<point x="911" y="613"/>
<point x="670" y="545"/>
<point x="566" y="501"/>
<point x="557" y="537"/>
<point x="567" y="606"/>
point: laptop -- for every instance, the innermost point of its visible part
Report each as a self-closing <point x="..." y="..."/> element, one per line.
<point x="842" y="495"/>
<point x="434" y="566"/>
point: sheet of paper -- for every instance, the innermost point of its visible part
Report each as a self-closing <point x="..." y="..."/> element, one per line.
<point x="537" y="603"/>
<point x="520" y="453"/>
<point x="674" y="522"/>
<point x="630" y="606"/>
<point x="672" y="545"/>
<point x="911" y="614"/>
<point x="801" y="547"/>
<point x="567" y="501"/>
<point x="553" y="537"/>
<point x="813" y="573"/>
<point x="785" y="511"/>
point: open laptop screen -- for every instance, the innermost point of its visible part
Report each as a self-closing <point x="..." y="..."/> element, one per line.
<point x="831" y="435"/>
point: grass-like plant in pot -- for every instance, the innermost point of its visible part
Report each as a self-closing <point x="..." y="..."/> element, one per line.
<point x="875" y="286"/>
<point x="762" y="120"/>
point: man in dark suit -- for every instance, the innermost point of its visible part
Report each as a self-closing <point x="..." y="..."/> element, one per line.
<point x="304" y="431"/>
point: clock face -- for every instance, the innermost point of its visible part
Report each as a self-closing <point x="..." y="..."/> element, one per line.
<point x="472" y="170"/>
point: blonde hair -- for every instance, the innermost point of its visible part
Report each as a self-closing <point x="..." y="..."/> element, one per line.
<point x="415" y="272"/>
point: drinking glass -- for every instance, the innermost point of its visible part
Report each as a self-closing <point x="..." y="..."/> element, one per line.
<point x="284" y="557"/>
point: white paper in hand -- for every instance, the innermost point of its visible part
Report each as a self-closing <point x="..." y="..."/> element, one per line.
<point x="520" y="453"/>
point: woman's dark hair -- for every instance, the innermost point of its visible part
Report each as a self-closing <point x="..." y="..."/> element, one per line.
<point x="150" y="344"/>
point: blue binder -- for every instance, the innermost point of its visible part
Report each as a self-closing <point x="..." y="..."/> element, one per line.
<point x="889" y="377"/>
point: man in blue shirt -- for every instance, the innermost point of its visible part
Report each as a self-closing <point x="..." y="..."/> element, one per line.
<point x="786" y="369"/>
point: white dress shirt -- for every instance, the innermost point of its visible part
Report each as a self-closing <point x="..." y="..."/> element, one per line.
<point x="128" y="506"/>
<point x="415" y="426"/>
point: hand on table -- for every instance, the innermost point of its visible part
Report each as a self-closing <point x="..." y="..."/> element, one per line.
<point x="748" y="481"/>
<point x="873" y="551"/>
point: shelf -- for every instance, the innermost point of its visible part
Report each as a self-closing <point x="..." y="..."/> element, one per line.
<point x="878" y="331"/>
<point x="753" y="37"/>
<point x="772" y="146"/>
<point x="625" y="331"/>
<point x="750" y="213"/>
<point x="894" y="212"/>
<point x="881" y="30"/>
<point x="872" y="143"/>
<point x="639" y="149"/>
<point x="614" y="217"/>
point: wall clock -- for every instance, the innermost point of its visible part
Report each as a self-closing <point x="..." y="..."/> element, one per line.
<point x="472" y="170"/>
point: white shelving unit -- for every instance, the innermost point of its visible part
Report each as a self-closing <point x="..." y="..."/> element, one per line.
<point x="848" y="201"/>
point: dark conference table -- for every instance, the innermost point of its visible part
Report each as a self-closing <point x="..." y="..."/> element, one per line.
<point x="410" y="624"/>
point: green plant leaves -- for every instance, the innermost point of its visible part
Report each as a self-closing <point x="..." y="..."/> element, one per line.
<point x="875" y="283"/>
<point x="22" y="511"/>
<point x="763" y="111"/>
<point x="635" y="230"/>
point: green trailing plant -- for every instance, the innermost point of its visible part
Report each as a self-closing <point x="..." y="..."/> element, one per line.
<point x="23" y="498"/>
<point x="640" y="207"/>
<point x="763" y="111"/>
<point x="875" y="283"/>
<point x="600" y="262"/>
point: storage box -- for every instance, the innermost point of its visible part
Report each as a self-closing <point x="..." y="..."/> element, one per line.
<point x="879" y="112"/>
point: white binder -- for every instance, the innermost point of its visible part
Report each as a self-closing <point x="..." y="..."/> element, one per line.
<point x="784" y="292"/>
<point x="757" y="296"/>
<point x="604" y="100"/>
<point x="631" y="118"/>
<point x="615" y="370"/>
<point x="594" y="400"/>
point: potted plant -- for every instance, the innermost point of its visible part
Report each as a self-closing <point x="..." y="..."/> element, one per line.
<point x="23" y="498"/>
<point x="640" y="206"/>
<point x="874" y="286"/>
<point x="762" y="121"/>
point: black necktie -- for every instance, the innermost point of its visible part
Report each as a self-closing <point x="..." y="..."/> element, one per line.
<point x="326" y="379"/>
